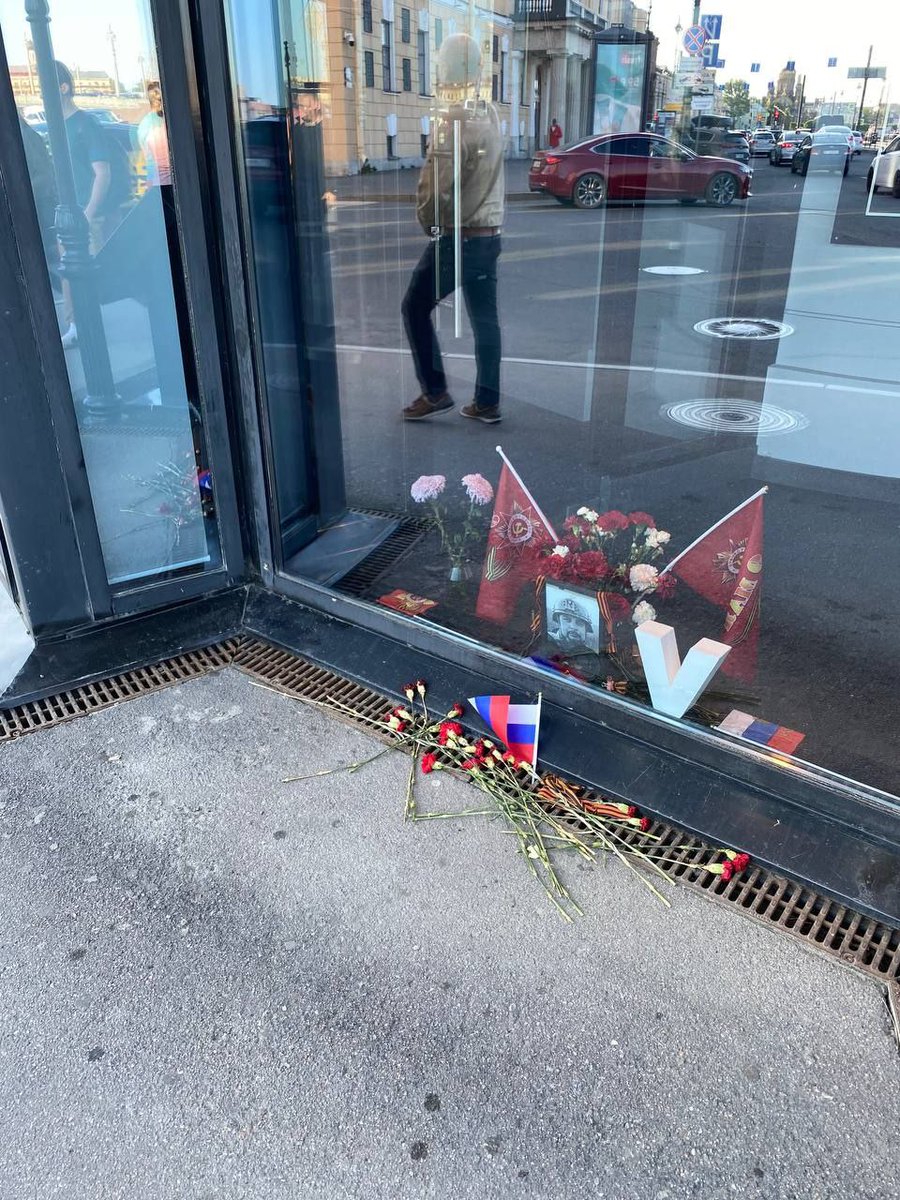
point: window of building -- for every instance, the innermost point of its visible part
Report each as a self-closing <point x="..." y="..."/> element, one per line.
<point x="423" y="63"/>
<point x="405" y="32"/>
<point x="495" y="48"/>
<point x="387" y="56"/>
<point x="494" y="88"/>
<point x="407" y="74"/>
<point x="504" y="76"/>
<point x="423" y="144"/>
<point x="438" y="32"/>
<point x="391" y="145"/>
<point x="369" y="65"/>
<point x="367" y="16"/>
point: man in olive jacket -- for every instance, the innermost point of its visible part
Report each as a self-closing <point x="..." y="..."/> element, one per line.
<point x="466" y="135"/>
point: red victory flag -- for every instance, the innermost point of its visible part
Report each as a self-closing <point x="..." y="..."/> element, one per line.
<point x="517" y="527"/>
<point x="725" y="567"/>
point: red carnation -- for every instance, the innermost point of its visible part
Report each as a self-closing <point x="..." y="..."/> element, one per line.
<point x="644" y="824"/>
<point x="727" y="869"/>
<point x="614" y="519"/>
<point x="642" y="518"/>
<point x="630" y="811"/>
<point x="591" y="564"/>
<point x="471" y="764"/>
<point x="665" y="585"/>
<point x="456" y="710"/>
<point x="740" y="862"/>
<point x="447" y="730"/>
<point x="409" y="690"/>
<point x="429" y="762"/>
<point x="421" y="686"/>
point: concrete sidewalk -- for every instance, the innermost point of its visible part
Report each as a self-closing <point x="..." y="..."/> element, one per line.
<point x="215" y="984"/>
<point x="401" y="184"/>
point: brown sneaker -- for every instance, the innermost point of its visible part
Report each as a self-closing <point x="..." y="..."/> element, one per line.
<point x="490" y="416"/>
<point x="426" y="407"/>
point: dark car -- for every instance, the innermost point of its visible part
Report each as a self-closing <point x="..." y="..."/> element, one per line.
<point x="785" y="148"/>
<point x="828" y="150"/>
<point x="725" y="143"/>
<point x="636" y="166"/>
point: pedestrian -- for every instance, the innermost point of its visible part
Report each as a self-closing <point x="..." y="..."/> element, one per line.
<point x="556" y="134"/>
<point x="153" y="139"/>
<point x="479" y="153"/>
<point x="102" y="179"/>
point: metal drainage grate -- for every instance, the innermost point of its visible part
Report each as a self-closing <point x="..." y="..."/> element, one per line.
<point x="395" y="546"/>
<point x="91" y="697"/>
<point x="749" y="328"/>
<point x="771" y="899"/>
<point x="735" y="416"/>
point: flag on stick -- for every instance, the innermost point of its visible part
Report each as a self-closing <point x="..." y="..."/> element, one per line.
<point x="724" y="566"/>
<point x="517" y="526"/>
<point x="517" y="725"/>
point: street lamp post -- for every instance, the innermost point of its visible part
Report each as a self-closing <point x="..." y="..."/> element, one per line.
<point x="71" y="225"/>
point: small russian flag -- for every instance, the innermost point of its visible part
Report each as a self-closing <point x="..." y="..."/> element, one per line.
<point x="517" y="725"/>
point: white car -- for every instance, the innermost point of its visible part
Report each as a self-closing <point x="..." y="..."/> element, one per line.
<point x="857" y="141"/>
<point x="885" y="170"/>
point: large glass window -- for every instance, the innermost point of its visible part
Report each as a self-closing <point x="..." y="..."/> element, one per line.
<point x="93" y="121"/>
<point x="669" y="287"/>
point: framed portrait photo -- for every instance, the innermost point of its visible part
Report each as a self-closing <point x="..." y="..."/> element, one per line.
<point x="572" y="621"/>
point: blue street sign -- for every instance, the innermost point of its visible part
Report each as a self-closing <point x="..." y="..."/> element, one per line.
<point x="770" y="86"/>
<point x="719" y="64"/>
<point x="832" y="62"/>
<point x="713" y="26"/>
<point x="710" y="54"/>
<point x="746" y="86"/>
<point x="694" y="39"/>
<point x="791" y="64"/>
<point x="754" y="68"/>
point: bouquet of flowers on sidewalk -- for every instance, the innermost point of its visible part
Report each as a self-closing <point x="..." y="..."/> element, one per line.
<point x="461" y="520"/>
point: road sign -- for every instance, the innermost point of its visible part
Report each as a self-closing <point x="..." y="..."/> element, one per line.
<point x="710" y="54"/>
<point x="694" y="39"/>
<point x="713" y="26"/>
<point x="867" y="73"/>
<point x="832" y="62"/>
<point x="754" y="68"/>
<point x="791" y="65"/>
<point x="720" y="64"/>
<point x="702" y="103"/>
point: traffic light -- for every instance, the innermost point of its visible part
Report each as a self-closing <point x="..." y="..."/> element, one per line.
<point x="776" y="113"/>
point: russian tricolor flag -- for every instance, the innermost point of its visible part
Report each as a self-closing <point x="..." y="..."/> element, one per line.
<point x="517" y="725"/>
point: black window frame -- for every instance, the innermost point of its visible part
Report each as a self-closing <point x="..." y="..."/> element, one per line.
<point x="387" y="56"/>
<point x="369" y="68"/>
<point x="367" y="16"/>
<point x="406" y="73"/>
<point x="405" y="26"/>
<point x="422" y="61"/>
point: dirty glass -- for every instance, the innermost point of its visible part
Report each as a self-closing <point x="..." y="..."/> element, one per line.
<point x="604" y="313"/>
<point x="92" y="117"/>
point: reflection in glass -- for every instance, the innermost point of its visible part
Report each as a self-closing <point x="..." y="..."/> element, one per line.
<point x="94" y="130"/>
<point x="675" y="337"/>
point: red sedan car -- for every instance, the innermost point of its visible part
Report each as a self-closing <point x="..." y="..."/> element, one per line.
<point x="635" y="166"/>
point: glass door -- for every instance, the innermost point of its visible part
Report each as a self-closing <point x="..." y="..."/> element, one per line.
<point x="106" y="121"/>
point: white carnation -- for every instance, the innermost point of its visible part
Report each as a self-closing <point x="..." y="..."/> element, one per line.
<point x="561" y="551"/>
<point x="643" y="577"/>
<point x="643" y="612"/>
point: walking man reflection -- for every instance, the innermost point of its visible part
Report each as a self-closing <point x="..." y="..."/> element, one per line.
<point x="466" y="133"/>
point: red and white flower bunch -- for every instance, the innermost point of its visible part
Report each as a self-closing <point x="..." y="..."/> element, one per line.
<point x="460" y="522"/>
<point x="612" y="551"/>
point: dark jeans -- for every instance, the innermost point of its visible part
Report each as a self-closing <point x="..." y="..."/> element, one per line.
<point x="431" y="281"/>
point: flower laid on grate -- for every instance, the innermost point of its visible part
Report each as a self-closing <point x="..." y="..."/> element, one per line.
<point x="549" y="816"/>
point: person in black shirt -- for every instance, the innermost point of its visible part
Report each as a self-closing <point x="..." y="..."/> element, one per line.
<point x="92" y="157"/>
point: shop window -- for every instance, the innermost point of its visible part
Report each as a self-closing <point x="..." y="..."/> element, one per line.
<point x="667" y="342"/>
<point x="118" y="279"/>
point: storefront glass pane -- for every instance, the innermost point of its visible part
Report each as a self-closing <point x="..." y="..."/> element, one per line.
<point x="689" y="328"/>
<point x="93" y="122"/>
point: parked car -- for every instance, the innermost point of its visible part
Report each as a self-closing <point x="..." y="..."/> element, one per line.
<point x="638" y="166"/>
<point x="885" y="169"/>
<point x="761" y="141"/>
<point x="827" y="150"/>
<point x="725" y="143"/>
<point x="783" y="151"/>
